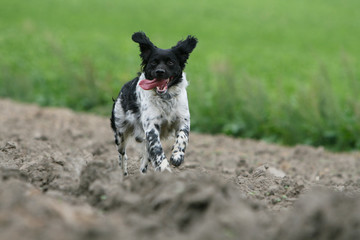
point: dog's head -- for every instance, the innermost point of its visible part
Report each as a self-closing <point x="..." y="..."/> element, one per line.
<point x="163" y="67"/>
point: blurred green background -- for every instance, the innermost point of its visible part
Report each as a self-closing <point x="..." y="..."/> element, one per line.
<point x="282" y="71"/>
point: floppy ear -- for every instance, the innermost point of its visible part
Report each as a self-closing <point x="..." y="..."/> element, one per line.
<point x="146" y="46"/>
<point x="184" y="48"/>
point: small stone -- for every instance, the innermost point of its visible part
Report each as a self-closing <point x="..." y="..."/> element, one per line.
<point x="276" y="172"/>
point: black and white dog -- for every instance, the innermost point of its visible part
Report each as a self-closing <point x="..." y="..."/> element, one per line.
<point x="154" y="105"/>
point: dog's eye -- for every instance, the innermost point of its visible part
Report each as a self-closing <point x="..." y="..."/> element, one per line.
<point x="170" y="63"/>
<point x="154" y="63"/>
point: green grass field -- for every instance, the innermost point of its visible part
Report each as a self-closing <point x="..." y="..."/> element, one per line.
<point x="283" y="71"/>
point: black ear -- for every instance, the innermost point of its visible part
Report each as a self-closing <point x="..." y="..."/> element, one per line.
<point x="184" y="48"/>
<point x="146" y="46"/>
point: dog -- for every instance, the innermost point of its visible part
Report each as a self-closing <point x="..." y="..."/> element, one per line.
<point x="154" y="105"/>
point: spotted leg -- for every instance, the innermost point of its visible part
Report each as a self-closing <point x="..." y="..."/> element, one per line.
<point x="144" y="161"/>
<point x="155" y="150"/>
<point x="178" y="149"/>
<point x="121" y="140"/>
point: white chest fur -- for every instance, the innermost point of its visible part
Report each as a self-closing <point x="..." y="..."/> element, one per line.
<point x="166" y="112"/>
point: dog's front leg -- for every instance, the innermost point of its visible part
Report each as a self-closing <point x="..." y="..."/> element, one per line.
<point x="155" y="150"/>
<point x="182" y="139"/>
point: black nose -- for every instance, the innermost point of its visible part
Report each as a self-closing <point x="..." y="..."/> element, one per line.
<point x="160" y="72"/>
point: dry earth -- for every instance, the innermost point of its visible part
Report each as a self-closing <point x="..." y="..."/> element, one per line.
<point x="59" y="180"/>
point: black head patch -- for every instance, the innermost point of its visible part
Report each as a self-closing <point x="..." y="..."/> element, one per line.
<point x="182" y="49"/>
<point x="164" y="64"/>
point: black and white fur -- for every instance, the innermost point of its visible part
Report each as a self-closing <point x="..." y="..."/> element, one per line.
<point x="151" y="115"/>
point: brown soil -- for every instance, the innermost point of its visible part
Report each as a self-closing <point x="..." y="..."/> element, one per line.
<point x="59" y="180"/>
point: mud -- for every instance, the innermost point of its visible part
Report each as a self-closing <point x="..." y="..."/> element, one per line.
<point x="59" y="180"/>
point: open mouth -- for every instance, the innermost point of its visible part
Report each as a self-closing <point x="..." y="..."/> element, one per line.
<point x="161" y="85"/>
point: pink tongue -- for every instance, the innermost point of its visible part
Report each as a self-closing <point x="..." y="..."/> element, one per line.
<point x="150" y="84"/>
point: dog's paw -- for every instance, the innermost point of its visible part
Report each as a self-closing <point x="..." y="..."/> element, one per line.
<point x="143" y="169"/>
<point x="164" y="166"/>
<point x="143" y="164"/>
<point x="177" y="159"/>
